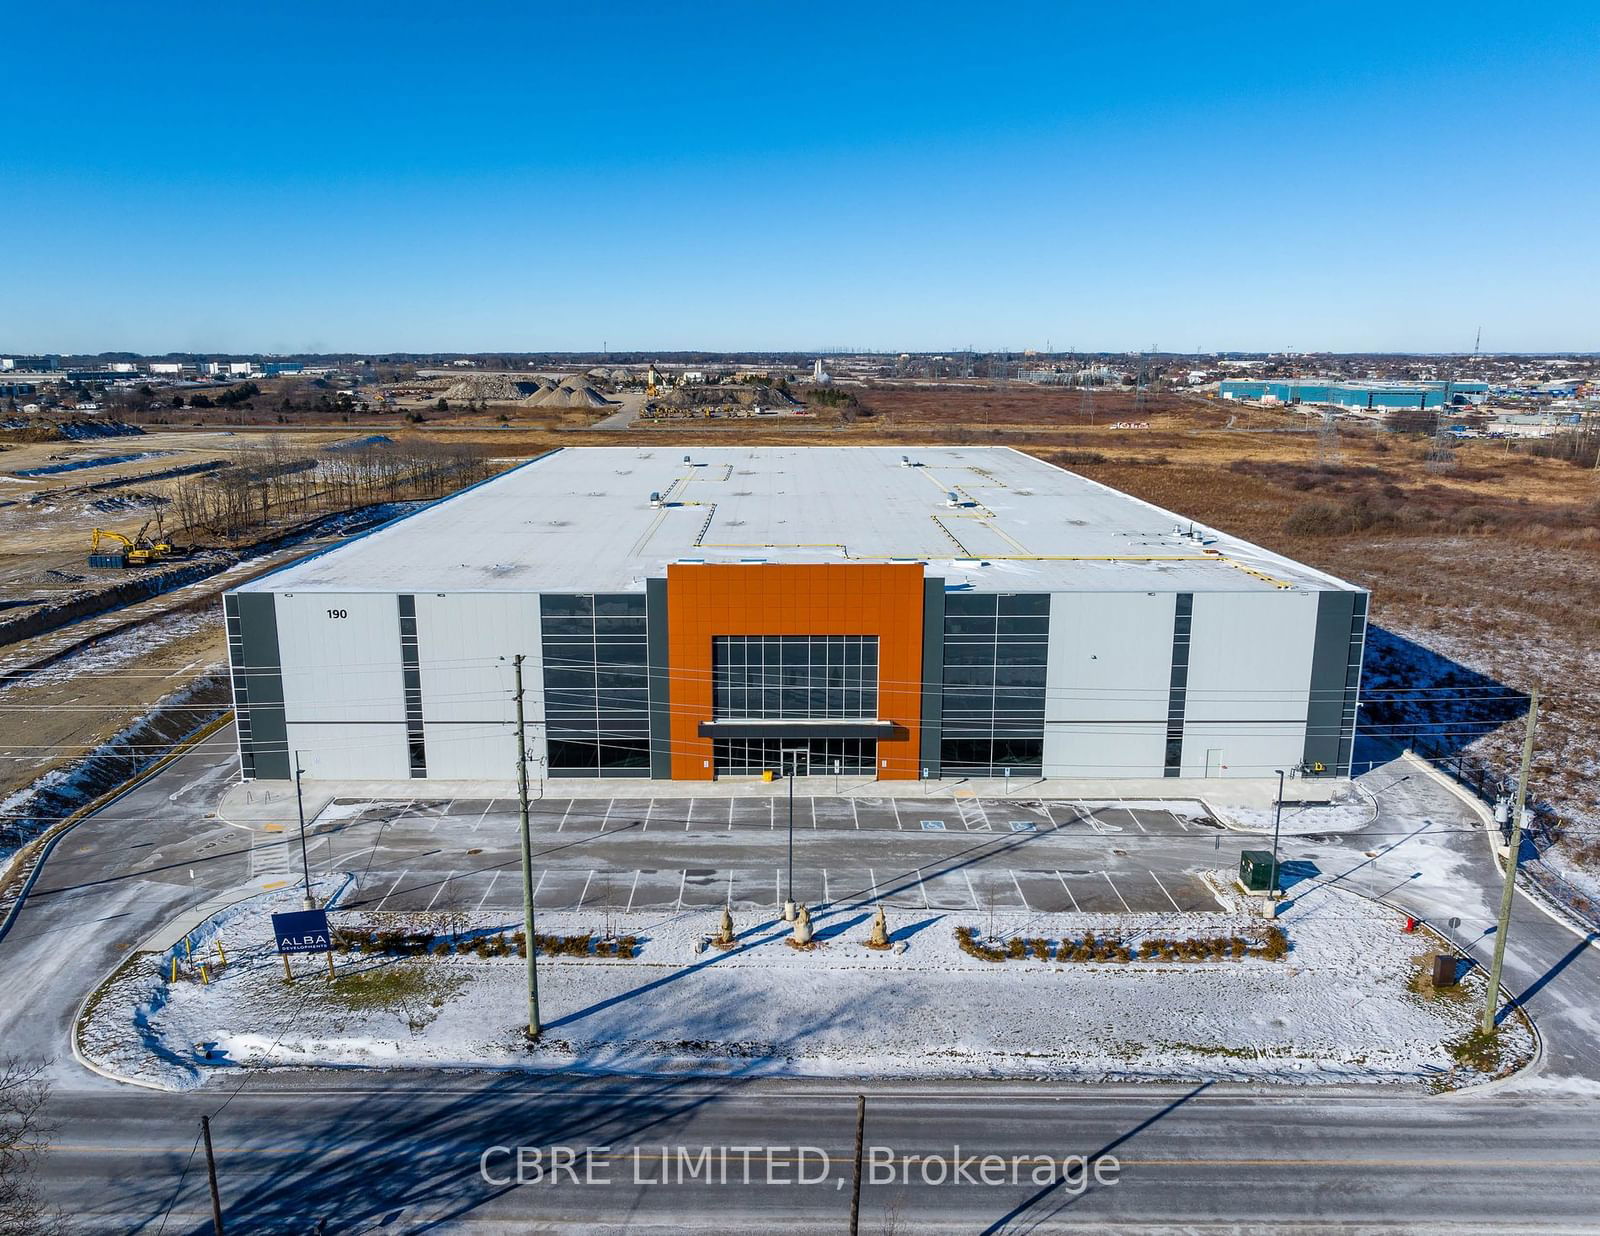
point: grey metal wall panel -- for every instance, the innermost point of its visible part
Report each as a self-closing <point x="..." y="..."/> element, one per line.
<point x="1108" y="683"/>
<point x="263" y="679"/>
<point x="655" y="608"/>
<point x="1249" y="658"/>
<point x="1329" y="659"/>
<point x="932" y="672"/>
<point x="467" y="643"/>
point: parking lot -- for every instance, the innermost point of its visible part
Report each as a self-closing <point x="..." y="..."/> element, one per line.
<point x="683" y="854"/>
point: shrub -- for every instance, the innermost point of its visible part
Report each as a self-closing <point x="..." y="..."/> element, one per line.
<point x="1016" y="949"/>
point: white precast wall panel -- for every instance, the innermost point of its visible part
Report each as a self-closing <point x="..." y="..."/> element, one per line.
<point x="1249" y="679"/>
<point x="343" y="691"/>
<point x="1107" y="683"/>
<point x="465" y="645"/>
<point x="363" y="752"/>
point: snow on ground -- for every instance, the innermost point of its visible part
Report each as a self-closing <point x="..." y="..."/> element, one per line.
<point x="119" y="650"/>
<point x="1300" y="820"/>
<point x="1338" y="1008"/>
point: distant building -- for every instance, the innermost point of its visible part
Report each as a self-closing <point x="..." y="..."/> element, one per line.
<point x="17" y="390"/>
<point x="240" y="369"/>
<point x="208" y="369"/>
<point x="7" y="363"/>
<point x="165" y="369"/>
<point x="274" y="369"/>
<point x="1377" y="396"/>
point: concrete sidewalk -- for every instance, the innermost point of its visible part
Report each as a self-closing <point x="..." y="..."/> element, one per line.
<point x="257" y="803"/>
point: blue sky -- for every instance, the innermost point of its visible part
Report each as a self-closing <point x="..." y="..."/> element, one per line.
<point x="383" y="177"/>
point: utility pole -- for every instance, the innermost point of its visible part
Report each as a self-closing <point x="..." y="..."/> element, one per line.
<point x="211" y="1173"/>
<point x="527" y="864"/>
<point x="855" y="1182"/>
<point x="300" y="808"/>
<point x="1491" y="1001"/>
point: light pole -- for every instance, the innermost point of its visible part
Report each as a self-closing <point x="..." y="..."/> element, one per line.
<point x="300" y="809"/>
<point x="1277" y="816"/>
<point x="1503" y="923"/>
<point x="788" y="900"/>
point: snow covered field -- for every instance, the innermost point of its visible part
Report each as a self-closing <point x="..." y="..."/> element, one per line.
<point x="1339" y="1007"/>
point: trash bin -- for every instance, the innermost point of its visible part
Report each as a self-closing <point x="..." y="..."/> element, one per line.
<point x="1444" y="970"/>
<point x="1256" y="872"/>
<point x="766" y="774"/>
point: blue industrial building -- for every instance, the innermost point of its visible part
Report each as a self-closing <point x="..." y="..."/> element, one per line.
<point x="1374" y="395"/>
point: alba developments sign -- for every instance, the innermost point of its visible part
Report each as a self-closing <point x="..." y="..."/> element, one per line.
<point x="302" y="931"/>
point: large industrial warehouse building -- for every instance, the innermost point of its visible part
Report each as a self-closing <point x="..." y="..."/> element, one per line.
<point x="931" y="612"/>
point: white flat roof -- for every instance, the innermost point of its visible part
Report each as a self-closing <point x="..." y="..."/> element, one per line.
<point x="581" y="520"/>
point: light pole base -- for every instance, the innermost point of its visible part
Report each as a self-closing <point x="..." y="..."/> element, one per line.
<point x="308" y="903"/>
<point x="789" y="911"/>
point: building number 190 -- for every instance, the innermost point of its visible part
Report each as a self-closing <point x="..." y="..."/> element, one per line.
<point x="338" y="613"/>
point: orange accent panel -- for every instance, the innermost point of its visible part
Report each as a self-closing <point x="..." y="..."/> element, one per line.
<point x="847" y="598"/>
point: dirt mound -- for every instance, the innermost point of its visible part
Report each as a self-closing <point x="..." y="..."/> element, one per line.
<point x="68" y="428"/>
<point x="497" y="388"/>
<point x="572" y="392"/>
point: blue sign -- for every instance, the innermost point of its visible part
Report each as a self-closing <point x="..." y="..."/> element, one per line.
<point x="302" y="931"/>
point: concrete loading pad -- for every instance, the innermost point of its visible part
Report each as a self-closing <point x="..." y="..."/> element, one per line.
<point x="676" y="854"/>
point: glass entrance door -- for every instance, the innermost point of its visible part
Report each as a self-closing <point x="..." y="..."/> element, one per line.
<point x="749" y="757"/>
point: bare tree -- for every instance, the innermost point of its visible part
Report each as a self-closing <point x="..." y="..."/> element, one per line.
<point x="24" y="1136"/>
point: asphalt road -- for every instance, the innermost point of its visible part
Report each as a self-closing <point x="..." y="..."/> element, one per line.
<point x="399" y="1152"/>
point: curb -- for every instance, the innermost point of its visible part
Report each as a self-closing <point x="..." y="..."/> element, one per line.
<point x="83" y="1005"/>
<point x="1531" y="891"/>
<point x="47" y="842"/>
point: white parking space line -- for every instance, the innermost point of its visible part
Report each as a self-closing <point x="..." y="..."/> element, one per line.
<point x="813" y="812"/>
<point x="827" y="898"/>
<point x="633" y="888"/>
<point x="873" y="876"/>
<point x="610" y="803"/>
<point x="1178" y="820"/>
<point x="1164" y="892"/>
<point x="1067" y="890"/>
<point x="1020" y="894"/>
<point x="1136" y="819"/>
<point x="854" y="814"/>
<point x="484" y="815"/>
<point x="729" y="901"/>
<point x="538" y="886"/>
<point x="777" y="887"/>
<point x="772" y="813"/>
<point x="688" y="815"/>
<point x="440" y="889"/>
<point x="564" y="814"/>
<point x="926" y="904"/>
<point x="971" y="891"/>
<point x="896" y="807"/>
<point x="645" y="826"/>
<point x="1120" y="897"/>
<point x="493" y="876"/>
<point x="392" y="887"/>
<point x="585" y="892"/>
<point x="682" y="880"/>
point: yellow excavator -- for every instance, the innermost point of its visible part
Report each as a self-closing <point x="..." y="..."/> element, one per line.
<point x="137" y="550"/>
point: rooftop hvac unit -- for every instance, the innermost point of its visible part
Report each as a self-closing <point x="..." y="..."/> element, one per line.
<point x="951" y="499"/>
<point x="688" y="460"/>
<point x="655" y="498"/>
<point x="905" y="461"/>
